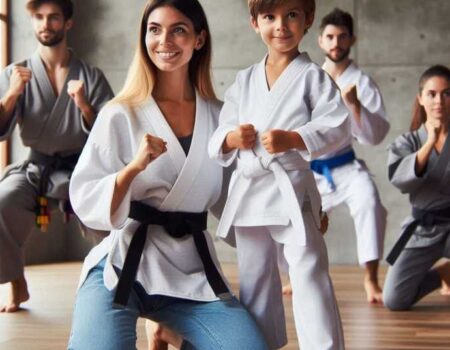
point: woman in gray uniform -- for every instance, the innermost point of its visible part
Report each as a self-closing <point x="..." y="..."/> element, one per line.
<point x="419" y="164"/>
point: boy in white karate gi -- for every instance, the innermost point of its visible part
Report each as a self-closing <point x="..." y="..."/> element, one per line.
<point x="277" y="116"/>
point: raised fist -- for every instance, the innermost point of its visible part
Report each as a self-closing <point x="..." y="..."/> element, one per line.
<point x="19" y="78"/>
<point x="150" y="148"/>
<point x="350" y="95"/>
<point x="276" y="140"/>
<point x="244" y="137"/>
<point x="75" y="89"/>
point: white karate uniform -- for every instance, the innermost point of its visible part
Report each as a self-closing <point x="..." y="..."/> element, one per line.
<point x="353" y="181"/>
<point x="273" y="198"/>
<point x="173" y="182"/>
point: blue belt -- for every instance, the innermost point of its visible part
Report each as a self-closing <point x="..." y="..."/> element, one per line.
<point x="324" y="166"/>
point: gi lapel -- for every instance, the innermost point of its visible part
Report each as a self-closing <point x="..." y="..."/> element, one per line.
<point x="280" y="87"/>
<point x="42" y="81"/>
<point x="346" y="78"/>
<point x="437" y="163"/>
<point x="187" y="167"/>
<point x="163" y="130"/>
<point x="439" y="170"/>
<point x="56" y="105"/>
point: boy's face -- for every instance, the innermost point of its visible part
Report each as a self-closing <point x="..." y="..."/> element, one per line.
<point x="283" y="27"/>
<point x="49" y="24"/>
<point x="336" y="42"/>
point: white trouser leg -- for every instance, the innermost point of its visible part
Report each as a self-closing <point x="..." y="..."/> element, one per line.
<point x="355" y="187"/>
<point x="259" y="282"/>
<point x="369" y="217"/>
<point x="316" y="313"/>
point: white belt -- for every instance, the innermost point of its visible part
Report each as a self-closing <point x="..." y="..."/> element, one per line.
<point x="259" y="166"/>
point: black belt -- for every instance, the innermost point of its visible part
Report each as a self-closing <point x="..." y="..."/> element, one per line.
<point x="49" y="164"/>
<point x="421" y="217"/>
<point x="177" y="225"/>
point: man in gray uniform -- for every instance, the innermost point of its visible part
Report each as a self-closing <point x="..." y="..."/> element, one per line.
<point x="54" y="97"/>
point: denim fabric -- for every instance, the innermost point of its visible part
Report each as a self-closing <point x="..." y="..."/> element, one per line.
<point x="203" y="325"/>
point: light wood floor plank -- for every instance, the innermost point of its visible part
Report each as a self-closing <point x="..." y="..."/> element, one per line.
<point x="45" y="321"/>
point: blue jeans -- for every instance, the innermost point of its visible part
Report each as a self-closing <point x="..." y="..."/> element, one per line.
<point x="203" y="325"/>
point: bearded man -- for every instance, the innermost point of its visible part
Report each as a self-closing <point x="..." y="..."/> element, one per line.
<point x="54" y="98"/>
<point x="341" y="177"/>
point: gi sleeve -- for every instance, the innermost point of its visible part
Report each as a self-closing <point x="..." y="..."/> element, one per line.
<point x="98" y="94"/>
<point x="402" y="159"/>
<point x="329" y="126"/>
<point x="374" y="125"/>
<point x="93" y="180"/>
<point x="228" y="121"/>
<point x="6" y="132"/>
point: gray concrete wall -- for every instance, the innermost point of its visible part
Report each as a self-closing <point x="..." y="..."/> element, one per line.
<point x="397" y="40"/>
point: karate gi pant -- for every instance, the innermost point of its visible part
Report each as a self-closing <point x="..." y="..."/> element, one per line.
<point x="412" y="277"/>
<point x="355" y="188"/>
<point x="17" y="220"/>
<point x="316" y="313"/>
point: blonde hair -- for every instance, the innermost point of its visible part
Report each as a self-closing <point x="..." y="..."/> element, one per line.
<point x="141" y="75"/>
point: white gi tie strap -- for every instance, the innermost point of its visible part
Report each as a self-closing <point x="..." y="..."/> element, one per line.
<point x="260" y="166"/>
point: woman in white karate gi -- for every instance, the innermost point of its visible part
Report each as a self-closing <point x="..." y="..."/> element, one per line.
<point x="145" y="175"/>
<point x="419" y="165"/>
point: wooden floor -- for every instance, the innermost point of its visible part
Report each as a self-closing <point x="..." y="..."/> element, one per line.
<point x="45" y="321"/>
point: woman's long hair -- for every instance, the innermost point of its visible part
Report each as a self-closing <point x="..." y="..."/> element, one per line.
<point x="419" y="116"/>
<point x="141" y="75"/>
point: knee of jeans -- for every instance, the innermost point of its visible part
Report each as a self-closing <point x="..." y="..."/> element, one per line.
<point x="82" y="342"/>
<point x="248" y="341"/>
<point x="394" y="302"/>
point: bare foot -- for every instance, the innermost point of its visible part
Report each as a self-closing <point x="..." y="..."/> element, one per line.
<point x="287" y="290"/>
<point x="160" y="337"/>
<point x="18" y="294"/>
<point x="153" y="331"/>
<point x="373" y="292"/>
<point x="444" y="273"/>
<point x="445" y="289"/>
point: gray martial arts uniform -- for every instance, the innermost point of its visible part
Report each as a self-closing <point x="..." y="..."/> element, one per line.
<point x="410" y="278"/>
<point x="52" y="126"/>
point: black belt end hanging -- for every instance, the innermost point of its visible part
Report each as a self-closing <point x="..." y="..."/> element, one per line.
<point x="177" y="224"/>
<point x="398" y="247"/>
<point x="130" y="267"/>
<point x="213" y="276"/>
